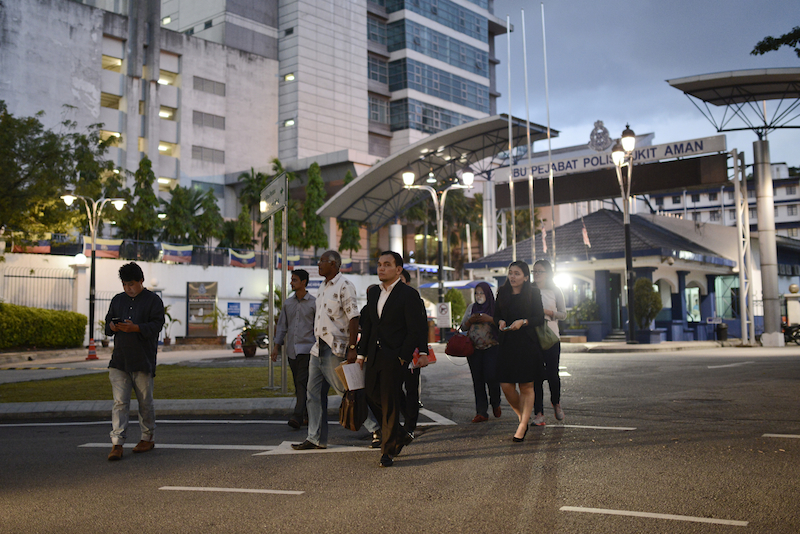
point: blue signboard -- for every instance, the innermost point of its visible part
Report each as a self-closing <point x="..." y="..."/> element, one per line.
<point x="254" y="307"/>
<point x="234" y="309"/>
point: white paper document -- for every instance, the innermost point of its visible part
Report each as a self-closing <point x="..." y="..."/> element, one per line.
<point x="354" y="375"/>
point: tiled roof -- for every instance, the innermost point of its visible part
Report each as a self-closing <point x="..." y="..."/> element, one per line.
<point x="606" y="232"/>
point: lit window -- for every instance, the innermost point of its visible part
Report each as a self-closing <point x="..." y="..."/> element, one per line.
<point x="166" y="20"/>
<point x="168" y="149"/>
<point x="112" y="63"/>
<point x="288" y="123"/>
<point x="168" y="113"/>
<point x="289" y="77"/>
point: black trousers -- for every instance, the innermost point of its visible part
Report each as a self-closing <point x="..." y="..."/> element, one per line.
<point x="384" y="379"/>
<point x="299" y="367"/>
<point x="409" y="401"/>
<point x="551" y="357"/>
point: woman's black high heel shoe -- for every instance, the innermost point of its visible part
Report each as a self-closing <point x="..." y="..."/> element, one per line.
<point x="515" y="439"/>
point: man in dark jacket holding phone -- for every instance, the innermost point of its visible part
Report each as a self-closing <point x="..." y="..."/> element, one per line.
<point x="135" y="319"/>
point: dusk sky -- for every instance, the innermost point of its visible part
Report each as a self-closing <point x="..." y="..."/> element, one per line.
<point x="609" y="60"/>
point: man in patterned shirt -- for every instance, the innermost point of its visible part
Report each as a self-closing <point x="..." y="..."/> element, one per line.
<point x="336" y="332"/>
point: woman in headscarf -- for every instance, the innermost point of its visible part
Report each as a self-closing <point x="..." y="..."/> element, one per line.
<point x="554" y="311"/>
<point x="479" y="323"/>
<point x="517" y="311"/>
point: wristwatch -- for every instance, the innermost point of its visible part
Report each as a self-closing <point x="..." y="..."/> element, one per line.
<point x="351" y="347"/>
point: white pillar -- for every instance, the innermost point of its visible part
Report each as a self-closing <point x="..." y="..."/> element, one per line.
<point x="772" y="336"/>
<point x="489" y="219"/>
<point x="396" y="238"/>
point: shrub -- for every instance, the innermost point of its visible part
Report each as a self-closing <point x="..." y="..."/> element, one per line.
<point x="587" y="310"/>
<point x="647" y="303"/>
<point x="21" y="326"/>
<point x="457" y="304"/>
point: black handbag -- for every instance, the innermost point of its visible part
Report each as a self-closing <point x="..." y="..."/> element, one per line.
<point x="353" y="410"/>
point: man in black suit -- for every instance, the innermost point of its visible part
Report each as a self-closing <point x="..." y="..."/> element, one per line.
<point x="391" y="329"/>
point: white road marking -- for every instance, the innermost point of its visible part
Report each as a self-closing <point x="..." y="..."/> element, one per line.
<point x="790" y="436"/>
<point x="655" y="516"/>
<point x="563" y="373"/>
<point x="286" y="448"/>
<point x="623" y="428"/>
<point x="728" y="365"/>
<point x="192" y="446"/>
<point x="231" y="490"/>
<point x="437" y="419"/>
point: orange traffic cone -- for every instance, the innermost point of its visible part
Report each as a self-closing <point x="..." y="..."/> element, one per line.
<point x="92" y="351"/>
<point x="237" y="344"/>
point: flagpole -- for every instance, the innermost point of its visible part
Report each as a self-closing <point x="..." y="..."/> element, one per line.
<point x="510" y="150"/>
<point x="528" y="132"/>
<point x="549" y="148"/>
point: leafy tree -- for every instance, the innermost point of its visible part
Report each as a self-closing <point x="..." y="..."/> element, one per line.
<point x="351" y="230"/>
<point x="250" y="196"/>
<point x="770" y="44"/>
<point x="209" y="221"/>
<point x="314" y="235"/>
<point x="139" y="219"/>
<point x="647" y="302"/>
<point x="179" y="224"/>
<point x="237" y="234"/>
<point x="37" y="164"/>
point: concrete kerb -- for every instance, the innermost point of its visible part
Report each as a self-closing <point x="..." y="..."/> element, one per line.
<point x="264" y="407"/>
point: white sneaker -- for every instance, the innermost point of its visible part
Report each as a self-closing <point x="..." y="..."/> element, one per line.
<point x="559" y="412"/>
<point x="538" y="420"/>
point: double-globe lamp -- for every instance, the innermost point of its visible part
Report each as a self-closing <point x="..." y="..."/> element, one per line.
<point x="93" y="210"/>
<point x="622" y="155"/>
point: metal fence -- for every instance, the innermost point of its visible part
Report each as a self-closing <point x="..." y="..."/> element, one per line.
<point x="51" y="289"/>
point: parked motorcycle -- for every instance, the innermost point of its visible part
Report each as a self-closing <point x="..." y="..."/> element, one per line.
<point x="791" y="333"/>
<point x="261" y="339"/>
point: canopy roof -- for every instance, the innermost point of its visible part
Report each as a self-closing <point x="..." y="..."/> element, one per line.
<point x="738" y="86"/>
<point x="741" y="91"/>
<point x="377" y="196"/>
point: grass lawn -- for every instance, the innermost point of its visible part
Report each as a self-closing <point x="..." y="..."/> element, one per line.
<point x="172" y="382"/>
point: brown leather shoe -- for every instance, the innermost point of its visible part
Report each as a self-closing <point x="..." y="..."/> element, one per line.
<point x="144" y="446"/>
<point x="497" y="411"/>
<point x="480" y="419"/>
<point x="115" y="454"/>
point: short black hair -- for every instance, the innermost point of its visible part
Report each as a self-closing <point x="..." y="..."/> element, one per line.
<point x="302" y="274"/>
<point x="406" y="276"/>
<point x="398" y="259"/>
<point x="130" y="272"/>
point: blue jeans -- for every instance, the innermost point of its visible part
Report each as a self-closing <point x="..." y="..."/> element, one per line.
<point x="121" y="385"/>
<point x="321" y="369"/>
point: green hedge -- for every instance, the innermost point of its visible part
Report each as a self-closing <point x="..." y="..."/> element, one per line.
<point x="21" y="326"/>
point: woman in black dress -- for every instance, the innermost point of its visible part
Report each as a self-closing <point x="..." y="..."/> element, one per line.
<point x="518" y="311"/>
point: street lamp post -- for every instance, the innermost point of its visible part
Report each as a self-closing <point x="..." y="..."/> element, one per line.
<point x="622" y="154"/>
<point x="467" y="177"/>
<point x="93" y="210"/>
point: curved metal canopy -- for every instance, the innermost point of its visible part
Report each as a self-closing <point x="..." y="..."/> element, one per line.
<point x="741" y="91"/>
<point x="377" y="196"/>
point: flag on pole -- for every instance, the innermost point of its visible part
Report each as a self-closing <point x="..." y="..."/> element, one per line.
<point x="176" y="253"/>
<point x="292" y="261"/>
<point x="347" y="265"/>
<point x="237" y="259"/>
<point x="585" y="235"/>
<point x="544" y="239"/>
<point x="103" y="248"/>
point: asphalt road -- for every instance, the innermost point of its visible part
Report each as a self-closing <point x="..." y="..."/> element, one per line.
<point x="666" y="442"/>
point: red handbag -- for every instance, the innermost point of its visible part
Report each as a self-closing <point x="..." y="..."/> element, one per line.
<point x="460" y="345"/>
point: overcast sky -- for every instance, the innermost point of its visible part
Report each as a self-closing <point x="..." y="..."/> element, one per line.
<point x="608" y="60"/>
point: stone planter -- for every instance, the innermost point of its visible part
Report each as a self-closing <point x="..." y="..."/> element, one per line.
<point x="594" y="330"/>
<point x="249" y="350"/>
<point x="651" y="337"/>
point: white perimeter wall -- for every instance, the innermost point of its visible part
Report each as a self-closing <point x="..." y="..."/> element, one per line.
<point x="171" y="281"/>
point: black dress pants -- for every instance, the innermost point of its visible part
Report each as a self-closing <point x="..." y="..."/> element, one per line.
<point x="384" y="379"/>
<point x="409" y="401"/>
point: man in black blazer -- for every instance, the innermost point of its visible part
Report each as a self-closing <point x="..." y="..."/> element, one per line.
<point x="391" y="329"/>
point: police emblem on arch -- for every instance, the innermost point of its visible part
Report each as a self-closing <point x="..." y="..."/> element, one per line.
<point x="599" y="139"/>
